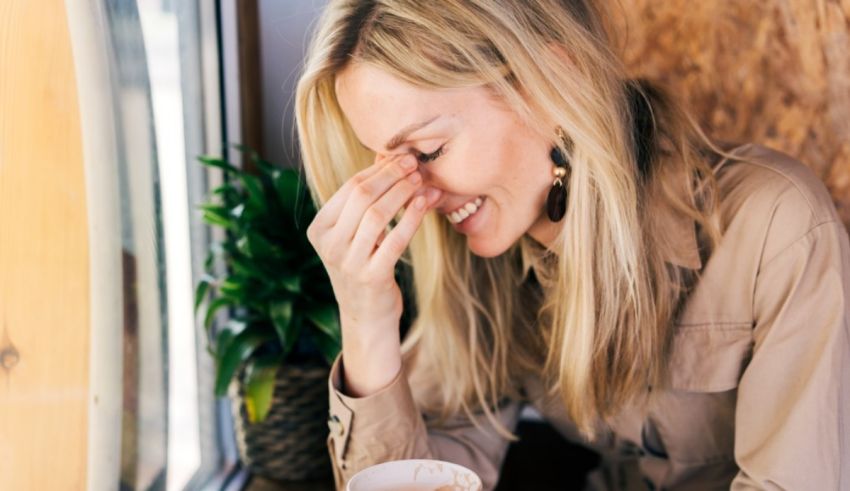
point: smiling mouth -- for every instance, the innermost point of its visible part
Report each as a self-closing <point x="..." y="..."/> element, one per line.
<point x="465" y="211"/>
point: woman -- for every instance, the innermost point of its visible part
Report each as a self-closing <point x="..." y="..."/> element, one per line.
<point x="577" y="245"/>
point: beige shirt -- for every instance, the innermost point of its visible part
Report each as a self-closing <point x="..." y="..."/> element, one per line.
<point x="760" y="368"/>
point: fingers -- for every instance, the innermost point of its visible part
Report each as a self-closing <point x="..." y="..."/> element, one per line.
<point x="378" y="216"/>
<point x="388" y="253"/>
<point x="328" y="214"/>
<point x="365" y="193"/>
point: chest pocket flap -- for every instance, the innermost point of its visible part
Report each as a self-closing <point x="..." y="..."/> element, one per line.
<point x="709" y="357"/>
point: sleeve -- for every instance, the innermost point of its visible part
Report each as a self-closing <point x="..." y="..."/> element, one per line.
<point x="793" y="407"/>
<point x="387" y="425"/>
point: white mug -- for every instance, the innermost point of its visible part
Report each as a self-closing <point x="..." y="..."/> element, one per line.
<point x="415" y="475"/>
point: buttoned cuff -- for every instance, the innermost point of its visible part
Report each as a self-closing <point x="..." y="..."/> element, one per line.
<point x="376" y="421"/>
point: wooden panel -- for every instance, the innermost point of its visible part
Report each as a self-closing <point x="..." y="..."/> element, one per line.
<point x="250" y="78"/>
<point x="44" y="264"/>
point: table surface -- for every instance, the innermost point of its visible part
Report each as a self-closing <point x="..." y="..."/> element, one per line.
<point x="262" y="484"/>
<point x="542" y="460"/>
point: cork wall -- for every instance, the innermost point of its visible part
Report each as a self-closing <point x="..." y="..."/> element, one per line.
<point x="776" y="72"/>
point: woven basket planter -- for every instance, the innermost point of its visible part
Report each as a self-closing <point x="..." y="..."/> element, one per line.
<point x="290" y="444"/>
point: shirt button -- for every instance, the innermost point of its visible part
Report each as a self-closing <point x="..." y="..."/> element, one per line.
<point x="335" y="425"/>
<point x="630" y="448"/>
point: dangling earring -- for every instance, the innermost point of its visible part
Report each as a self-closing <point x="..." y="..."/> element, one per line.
<point x="556" y="202"/>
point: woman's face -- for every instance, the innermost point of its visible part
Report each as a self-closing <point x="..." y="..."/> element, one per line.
<point x="470" y="147"/>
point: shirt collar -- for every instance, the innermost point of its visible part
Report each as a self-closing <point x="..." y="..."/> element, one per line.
<point x="681" y="231"/>
<point x="675" y="227"/>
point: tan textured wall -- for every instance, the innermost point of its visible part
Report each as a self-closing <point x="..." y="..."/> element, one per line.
<point x="771" y="71"/>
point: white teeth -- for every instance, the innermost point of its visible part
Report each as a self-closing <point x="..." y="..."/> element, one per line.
<point x="465" y="211"/>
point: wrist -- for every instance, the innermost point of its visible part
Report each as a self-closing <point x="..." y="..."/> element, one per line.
<point x="369" y="331"/>
<point x="377" y="344"/>
<point x="369" y="363"/>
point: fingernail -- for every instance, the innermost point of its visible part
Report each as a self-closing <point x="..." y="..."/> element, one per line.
<point x="433" y="194"/>
<point x="408" y="162"/>
<point x="415" y="177"/>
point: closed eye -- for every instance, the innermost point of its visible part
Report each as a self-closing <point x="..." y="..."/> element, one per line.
<point x="424" y="158"/>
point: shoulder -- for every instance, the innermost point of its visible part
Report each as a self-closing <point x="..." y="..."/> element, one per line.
<point x="772" y="195"/>
<point x="770" y="203"/>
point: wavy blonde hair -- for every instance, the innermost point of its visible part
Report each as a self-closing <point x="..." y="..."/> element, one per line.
<point x="599" y="328"/>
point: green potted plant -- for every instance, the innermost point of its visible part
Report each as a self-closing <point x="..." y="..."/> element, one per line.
<point x="273" y="353"/>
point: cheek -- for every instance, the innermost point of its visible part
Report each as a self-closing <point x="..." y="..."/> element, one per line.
<point x="519" y="170"/>
<point x="504" y="165"/>
<point x="467" y="168"/>
<point x="495" y="164"/>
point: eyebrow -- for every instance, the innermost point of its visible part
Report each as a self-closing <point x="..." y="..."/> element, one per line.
<point x="402" y="135"/>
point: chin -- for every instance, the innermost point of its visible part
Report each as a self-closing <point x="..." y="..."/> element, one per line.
<point x="486" y="247"/>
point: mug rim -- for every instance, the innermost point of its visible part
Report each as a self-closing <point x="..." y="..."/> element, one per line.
<point x="389" y="463"/>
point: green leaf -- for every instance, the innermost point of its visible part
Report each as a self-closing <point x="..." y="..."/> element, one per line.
<point x="213" y="307"/>
<point x="211" y="161"/>
<point x="328" y="346"/>
<point x="254" y="245"/>
<point x="225" y="335"/>
<point x="225" y="189"/>
<point x="208" y="262"/>
<point x="255" y="192"/>
<point x="259" y="387"/>
<point x="263" y="165"/>
<point x="325" y="317"/>
<point x="214" y="218"/>
<point x="237" y="211"/>
<point x="214" y="208"/>
<point x="260" y="246"/>
<point x="244" y="247"/>
<point x="294" y="333"/>
<point x="245" y="149"/>
<point x="310" y="262"/>
<point x="281" y="313"/>
<point x="260" y="163"/>
<point x="201" y="292"/>
<point x="291" y="282"/>
<point x="242" y="346"/>
<point x="286" y="185"/>
<point x="231" y="288"/>
<point x="246" y="267"/>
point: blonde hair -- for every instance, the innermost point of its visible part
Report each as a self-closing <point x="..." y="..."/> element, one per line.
<point x="599" y="328"/>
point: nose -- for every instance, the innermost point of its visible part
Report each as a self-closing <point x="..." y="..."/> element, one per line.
<point x="432" y="181"/>
<point x="428" y="176"/>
